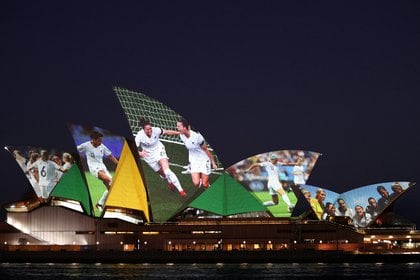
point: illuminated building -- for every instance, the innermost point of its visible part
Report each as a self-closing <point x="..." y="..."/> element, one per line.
<point x="241" y="211"/>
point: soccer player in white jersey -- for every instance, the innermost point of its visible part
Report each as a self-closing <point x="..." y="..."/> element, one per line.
<point x="199" y="156"/>
<point x="274" y="185"/>
<point x="46" y="173"/>
<point x="95" y="152"/>
<point x="33" y="173"/>
<point x="154" y="154"/>
<point x="57" y="159"/>
<point x="298" y="172"/>
<point x="68" y="161"/>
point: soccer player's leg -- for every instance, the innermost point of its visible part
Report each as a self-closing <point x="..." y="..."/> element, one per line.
<point x="274" y="197"/>
<point x="204" y="168"/>
<point x="274" y="200"/>
<point x="171" y="177"/>
<point x="196" y="180"/>
<point x="205" y="181"/>
<point x="285" y="197"/>
<point x="106" y="178"/>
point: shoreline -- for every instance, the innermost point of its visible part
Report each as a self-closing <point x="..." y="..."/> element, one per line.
<point x="301" y="256"/>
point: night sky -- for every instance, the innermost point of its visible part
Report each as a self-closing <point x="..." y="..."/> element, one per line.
<point x="339" y="78"/>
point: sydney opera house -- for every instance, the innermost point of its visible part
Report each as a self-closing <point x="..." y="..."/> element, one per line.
<point x="136" y="204"/>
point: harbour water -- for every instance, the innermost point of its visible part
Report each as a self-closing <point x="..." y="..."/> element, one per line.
<point x="339" y="271"/>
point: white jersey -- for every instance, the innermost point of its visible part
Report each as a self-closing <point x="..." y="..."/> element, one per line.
<point x="273" y="183"/>
<point x="94" y="155"/>
<point x="272" y="170"/>
<point x="66" y="166"/>
<point x="193" y="144"/>
<point x="298" y="175"/>
<point x="46" y="171"/>
<point x="32" y="178"/>
<point x="149" y="144"/>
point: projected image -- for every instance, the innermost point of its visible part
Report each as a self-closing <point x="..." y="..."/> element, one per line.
<point x="43" y="167"/>
<point x="177" y="162"/>
<point x="321" y="201"/>
<point x="153" y="152"/>
<point x="271" y="177"/>
<point x="363" y="205"/>
<point x="99" y="151"/>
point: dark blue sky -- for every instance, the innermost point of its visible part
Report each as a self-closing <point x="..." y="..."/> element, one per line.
<point x="340" y="78"/>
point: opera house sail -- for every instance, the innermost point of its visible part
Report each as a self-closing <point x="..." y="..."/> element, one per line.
<point x="164" y="188"/>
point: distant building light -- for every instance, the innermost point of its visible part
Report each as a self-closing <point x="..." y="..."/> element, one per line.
<point x="390" y="236"/>
<point x="320" y="241"/>
<point x="121" y="243"/>
<point x="213" y="231"/>
<point x="194" y="242"/>
<point x="169" y="242"/>
<point x="347" y="241"/>
<point x="5" y="242"/>
<point x="145" y="242"/>
<point x="150" y="232"/>
<point x="244" y="242"/>
<point x="27" y="243"/>
<point x="73" y="242"/>
<point x="269" y="241"/>
<point x="408" y="236"/>
<point x="97" y="242"/>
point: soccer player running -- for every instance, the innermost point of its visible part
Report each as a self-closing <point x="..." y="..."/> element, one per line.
<point x="154" y="153"/>
<point x="274" y="185"/>
<point x="95" y="152"/>
<point x="200" y="158"/>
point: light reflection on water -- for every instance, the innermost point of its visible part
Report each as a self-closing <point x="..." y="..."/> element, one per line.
<point x="38" y="271"/>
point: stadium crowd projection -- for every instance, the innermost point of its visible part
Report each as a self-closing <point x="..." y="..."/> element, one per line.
<point x="360" y="207"/>
<point x="272" y="177"/>
<point x="170" y="159"/>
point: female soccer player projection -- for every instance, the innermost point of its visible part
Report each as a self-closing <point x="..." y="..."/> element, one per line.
<point x="199" y="156"/>
<point x="154" y="154"/>
<point x="274" y="185"/>
<point x="47" y="170"/>
<point x="95" y="152"/>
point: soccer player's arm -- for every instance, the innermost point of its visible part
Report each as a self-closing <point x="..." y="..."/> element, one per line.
<point x="288" y="164"/>
<point x="31" y="166"/>
<point x="170" y="132"/>
<point x="252" y="166"/>
<point x="109" y="155"/>
<point x="81" y="148"/>
<point x="209" y="154"/>
<point x="142" y="153"/>
<point x="113" y="159"/>
<point x="58" y="167"/>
